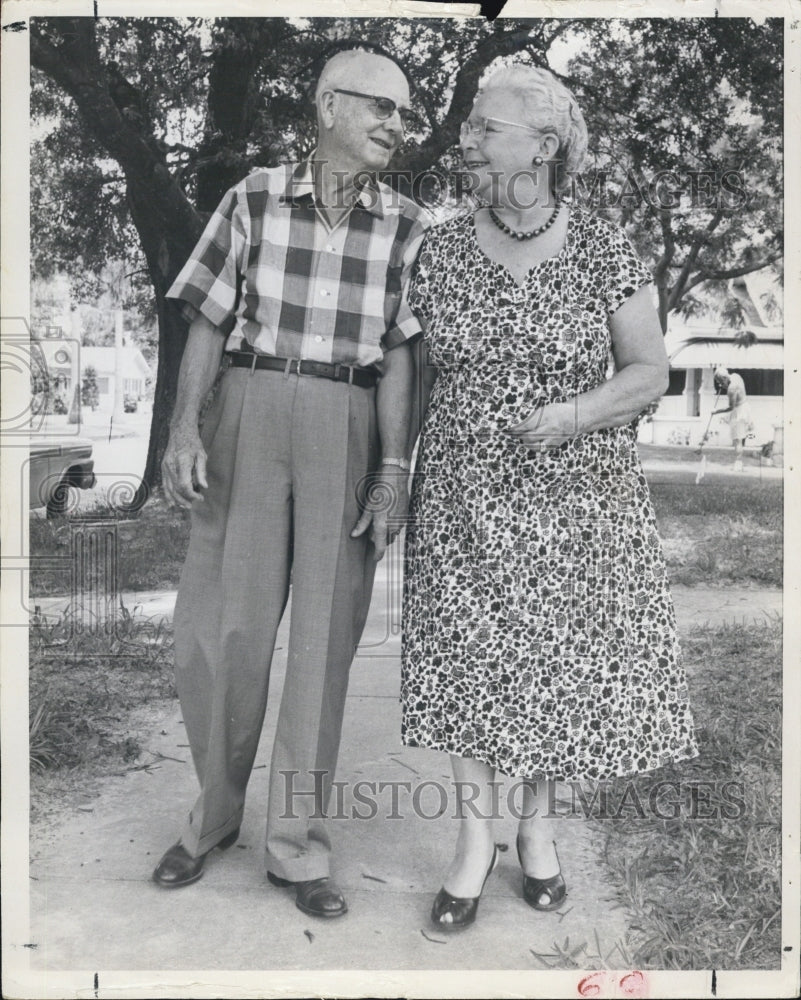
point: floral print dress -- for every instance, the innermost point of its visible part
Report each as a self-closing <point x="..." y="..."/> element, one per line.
<point x="538" y="629"/>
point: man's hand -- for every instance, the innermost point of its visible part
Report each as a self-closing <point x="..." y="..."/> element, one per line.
<point x="386" y="507"/>
<point x="183" y="468"/>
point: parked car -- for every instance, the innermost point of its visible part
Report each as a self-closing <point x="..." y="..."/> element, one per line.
<point x="56" y="465"/>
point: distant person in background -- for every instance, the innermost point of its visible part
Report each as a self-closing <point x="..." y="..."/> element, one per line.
<point x="741" y="423"/>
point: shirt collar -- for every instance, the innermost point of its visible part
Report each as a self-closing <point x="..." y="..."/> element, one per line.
<point x="300" y="185"/>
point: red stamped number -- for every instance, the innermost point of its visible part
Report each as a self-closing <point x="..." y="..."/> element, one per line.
<point x="629" y="984"/>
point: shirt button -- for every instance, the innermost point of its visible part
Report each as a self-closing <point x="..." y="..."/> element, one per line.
<point x="319" y="339"/>
<point x="324" y="292"/>
<point x="329" y="248"/>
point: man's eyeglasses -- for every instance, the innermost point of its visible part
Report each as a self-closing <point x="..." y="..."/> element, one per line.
<point x="383" y="108"/>
<point x="477" y="129"/>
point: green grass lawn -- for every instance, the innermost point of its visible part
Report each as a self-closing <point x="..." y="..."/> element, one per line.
<point x="724" y="531"/>
<point x="150" y="548"/>
<point x="706" y="893"/>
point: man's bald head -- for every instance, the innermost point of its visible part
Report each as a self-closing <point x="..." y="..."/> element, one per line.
<point x="357" y="69"/>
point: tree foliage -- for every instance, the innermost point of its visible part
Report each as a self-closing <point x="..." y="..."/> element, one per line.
<point x="142" y="124"/>
<point x="687" y="118"/>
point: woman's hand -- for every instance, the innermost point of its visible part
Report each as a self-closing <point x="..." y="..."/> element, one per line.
<point x="547" y="427"/>
<point x="641" y="377"/>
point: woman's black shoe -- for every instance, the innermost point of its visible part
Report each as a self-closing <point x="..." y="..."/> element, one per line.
<point x="553" y="890"/>
<point x="178" y="868"/>
<point x="451" y="913"/>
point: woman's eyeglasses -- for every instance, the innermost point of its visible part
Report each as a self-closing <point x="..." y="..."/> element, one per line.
<point x="478" y="129"/>
<point x="383" y="108"/>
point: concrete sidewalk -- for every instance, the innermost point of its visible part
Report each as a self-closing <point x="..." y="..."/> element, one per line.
<point x="93" y="904"/>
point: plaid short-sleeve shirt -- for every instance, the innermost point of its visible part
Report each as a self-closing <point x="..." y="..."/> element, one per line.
<point x="274" y="279"/>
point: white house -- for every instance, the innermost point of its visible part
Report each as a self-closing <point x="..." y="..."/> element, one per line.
<point x="134" y="369"/>
<point x="695" y="348"/>
<point x="65" y="360"/>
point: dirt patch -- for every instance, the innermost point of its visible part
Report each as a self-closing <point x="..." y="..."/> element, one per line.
<point x="63" y="791"/>
<point x="96" y="694"/>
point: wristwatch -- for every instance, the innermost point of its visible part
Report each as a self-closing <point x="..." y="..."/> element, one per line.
<point x="400" y="462"/>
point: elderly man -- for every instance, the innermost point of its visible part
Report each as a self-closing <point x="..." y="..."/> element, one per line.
<point x="740" y="422"/>
<point x="300" y="277"/>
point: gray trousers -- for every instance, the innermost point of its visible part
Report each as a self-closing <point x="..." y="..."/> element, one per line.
<point x="286" y="455"/>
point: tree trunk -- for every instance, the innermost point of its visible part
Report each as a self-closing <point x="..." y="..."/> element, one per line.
<point x="172" y="340"/>
<point x="167" y="223"/>
<point x="165" y="251"/>
<point x="231" y="105"/>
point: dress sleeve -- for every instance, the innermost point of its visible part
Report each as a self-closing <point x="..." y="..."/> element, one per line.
<point x="209" y="281"/>
<point x="421" y="290"/>
<point x="625" y="273"/>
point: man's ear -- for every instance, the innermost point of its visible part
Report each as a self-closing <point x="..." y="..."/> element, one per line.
<point x="325" y="108"/>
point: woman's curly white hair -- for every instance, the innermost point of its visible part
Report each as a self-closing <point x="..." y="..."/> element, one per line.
<point x="550" y="107"/>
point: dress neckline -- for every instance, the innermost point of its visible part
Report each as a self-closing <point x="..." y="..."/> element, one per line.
<point x="548" y="260"/>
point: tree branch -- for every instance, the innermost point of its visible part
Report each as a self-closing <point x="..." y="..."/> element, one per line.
<point x="680" y="285"/>
<point x="663" y="265"/>
<point x="707" y="274"/>
<point x="669" y="252"/>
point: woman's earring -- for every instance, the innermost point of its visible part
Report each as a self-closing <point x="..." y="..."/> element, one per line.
<point x="538" y="161"/>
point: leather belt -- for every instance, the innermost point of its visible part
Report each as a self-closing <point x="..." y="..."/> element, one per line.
<point x="365" y="378"/>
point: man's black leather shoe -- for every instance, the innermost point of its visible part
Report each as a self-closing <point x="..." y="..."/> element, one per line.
<point x="319" y="897"/>
<point x="178" y="867"/>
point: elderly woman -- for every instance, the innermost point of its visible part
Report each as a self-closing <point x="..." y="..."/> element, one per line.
<point x="539" y="637"/>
